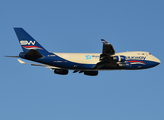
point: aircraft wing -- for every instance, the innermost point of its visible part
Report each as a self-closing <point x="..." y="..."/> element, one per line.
<point x="105" y="57"/>
<point x="107" y="51"/>
<point x="44" y="65"/>
<point x="107" y="48"/>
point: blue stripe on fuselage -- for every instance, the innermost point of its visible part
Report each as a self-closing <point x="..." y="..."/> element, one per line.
<point x="143" y="64"/>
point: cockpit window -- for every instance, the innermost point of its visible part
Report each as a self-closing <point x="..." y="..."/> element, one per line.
<point x="149" y="53"/>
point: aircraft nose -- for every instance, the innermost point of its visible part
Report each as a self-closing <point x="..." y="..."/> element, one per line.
<point x="157" y="60"/>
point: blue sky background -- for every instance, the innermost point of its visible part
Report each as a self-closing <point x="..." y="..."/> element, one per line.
<point x="36" y="93"/>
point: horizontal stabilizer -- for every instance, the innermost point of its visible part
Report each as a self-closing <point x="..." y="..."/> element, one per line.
<point x="13" y="56"/>
<point x="20" y="61"/>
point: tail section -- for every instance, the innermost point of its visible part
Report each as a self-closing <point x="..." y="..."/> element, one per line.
<point x="27" y="42"/>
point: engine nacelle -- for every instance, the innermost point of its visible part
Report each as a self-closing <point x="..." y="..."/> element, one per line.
<point x="119" y="58"/>
<point x="61" y="71"/>
<point x="122" y="65"/>
<point x="91" y="73"/>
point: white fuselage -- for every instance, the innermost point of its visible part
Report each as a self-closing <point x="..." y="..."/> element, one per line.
<point x="93" y="58"/>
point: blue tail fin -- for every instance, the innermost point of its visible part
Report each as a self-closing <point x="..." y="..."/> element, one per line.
<point x="27" y="42"/>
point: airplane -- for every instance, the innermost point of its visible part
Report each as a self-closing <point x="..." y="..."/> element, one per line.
<point x="87" y="63"/>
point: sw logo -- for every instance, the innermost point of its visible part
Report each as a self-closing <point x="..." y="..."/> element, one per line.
<point x="25" y="42"/>
<point x="29" y="45"/>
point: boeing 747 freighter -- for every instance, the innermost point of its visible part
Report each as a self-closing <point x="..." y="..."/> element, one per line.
<point x="87" y="63"/>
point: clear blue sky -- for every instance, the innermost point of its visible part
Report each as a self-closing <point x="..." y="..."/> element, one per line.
<point x="36" y="93"/>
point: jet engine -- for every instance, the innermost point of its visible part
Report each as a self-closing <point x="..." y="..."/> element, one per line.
<point x="91" y="73"/>
<point x="61" y="71"/>
<point x="119" y="58"/>
<point x="122" y="65"/>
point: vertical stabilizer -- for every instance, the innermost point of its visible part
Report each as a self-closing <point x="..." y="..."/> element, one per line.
<point x="27" y="42"/>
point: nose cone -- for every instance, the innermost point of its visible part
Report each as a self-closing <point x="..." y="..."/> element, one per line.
<point x="159" y="61"/>
<point x="156" y="60"/>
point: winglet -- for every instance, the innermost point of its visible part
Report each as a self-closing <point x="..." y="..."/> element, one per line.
<point x="104" y="41"/>
<point x="20" y="61"/>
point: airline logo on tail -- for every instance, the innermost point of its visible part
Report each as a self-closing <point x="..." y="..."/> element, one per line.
<point x="25" y="42"/>
<point x="30" y="43"/>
